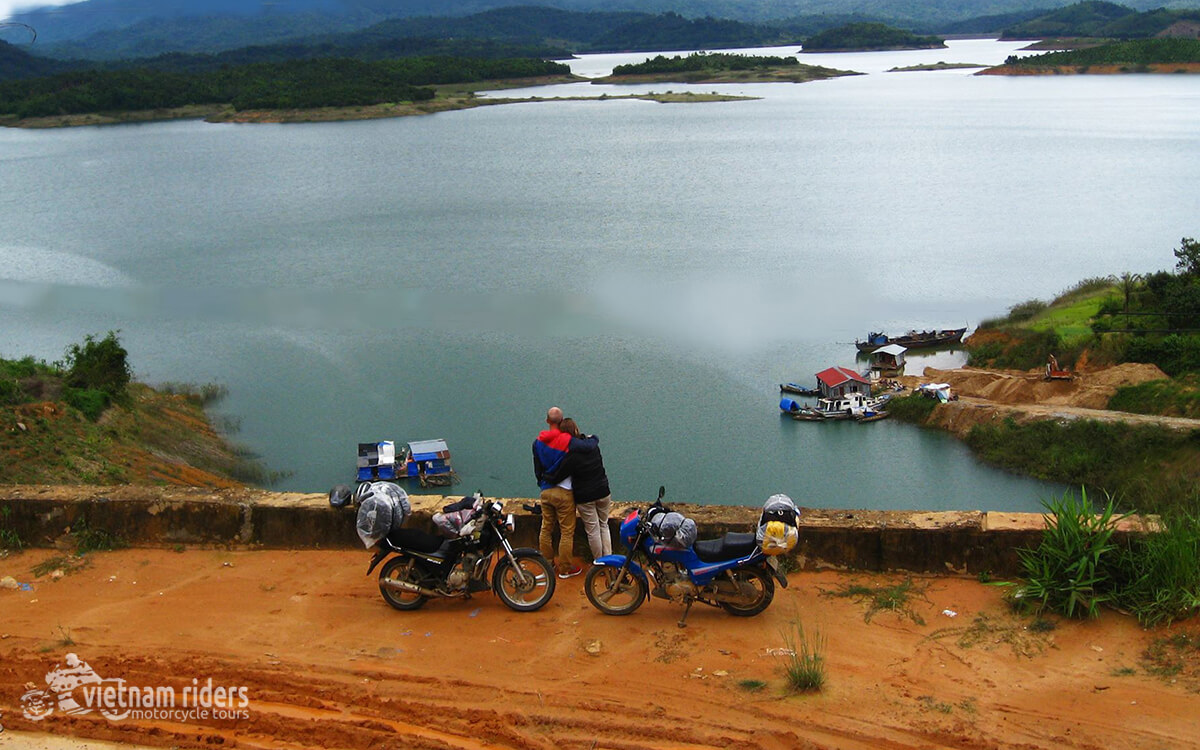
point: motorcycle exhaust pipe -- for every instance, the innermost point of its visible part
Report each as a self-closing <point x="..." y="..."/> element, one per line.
<point x="406" y="587"/>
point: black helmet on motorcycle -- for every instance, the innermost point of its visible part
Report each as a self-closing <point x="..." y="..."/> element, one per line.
<point x="339" y="496"/>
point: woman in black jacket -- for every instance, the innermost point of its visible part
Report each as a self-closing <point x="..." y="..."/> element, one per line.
<point x="593" y="500"/>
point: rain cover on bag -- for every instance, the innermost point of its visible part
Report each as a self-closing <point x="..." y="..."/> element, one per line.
<point x="675" y="530"/>
<point x="777" y="532"/>
<point x="454" y="517"/>
<point x="382" y="507"/>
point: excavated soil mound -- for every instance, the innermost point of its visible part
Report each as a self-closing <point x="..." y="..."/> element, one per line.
<point x="1088" y="390"/>
<point x="1129" y="373"/>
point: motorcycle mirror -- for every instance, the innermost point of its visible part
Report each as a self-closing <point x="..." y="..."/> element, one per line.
<point x="661" y="491"/>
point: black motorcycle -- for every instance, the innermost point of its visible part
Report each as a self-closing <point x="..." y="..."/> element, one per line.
<point x="427" y="566"/>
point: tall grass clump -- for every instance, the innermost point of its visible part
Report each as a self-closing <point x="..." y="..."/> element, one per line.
<point x="1069" y="572"/>
<point x="1157" y="576"/>
<point x="1026" y="310"/>
<point x="201" y="395"/>
<point x="804" y="670"/>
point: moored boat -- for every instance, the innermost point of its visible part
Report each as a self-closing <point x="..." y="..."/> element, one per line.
<point x="872" y="416"/>
<point x="912" y="339"/>
<point x="850" y="406"/>
<point x="797" y="389"/>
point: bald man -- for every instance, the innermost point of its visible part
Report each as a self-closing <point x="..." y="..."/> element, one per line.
<point x="558" y="501"/>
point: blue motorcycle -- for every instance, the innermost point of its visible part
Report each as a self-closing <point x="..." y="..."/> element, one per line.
<point x="730" y="572"/>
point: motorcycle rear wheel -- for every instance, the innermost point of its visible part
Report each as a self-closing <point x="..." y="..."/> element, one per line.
<point x="763" y="585"/>
<point x="401" y="569"/>
<point x="610" y="596"/>
<point x="534" y="592"/>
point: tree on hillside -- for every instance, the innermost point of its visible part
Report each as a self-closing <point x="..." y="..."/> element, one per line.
<point x="1129" y="284"/>
<point x="99" y="365"/>
<point x="1188" y="257"/>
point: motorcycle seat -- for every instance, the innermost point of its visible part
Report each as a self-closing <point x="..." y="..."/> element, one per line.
<point x="729" y="547"/>
<point x="416" y="540"/>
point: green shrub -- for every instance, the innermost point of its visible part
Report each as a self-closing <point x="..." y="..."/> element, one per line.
<point x="1068" y="572"/>
<point x="914" y="408"/>
<point x="1026" y="310"/>
<point x="1174" y="354"/>
<point x="90" y="402"/>
<point x="10" y="392"/>
<point x="99" y="365"/>
<point x="1176" y="397"/>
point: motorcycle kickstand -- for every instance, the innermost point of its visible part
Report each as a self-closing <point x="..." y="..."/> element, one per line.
<point x="687" y="607"/>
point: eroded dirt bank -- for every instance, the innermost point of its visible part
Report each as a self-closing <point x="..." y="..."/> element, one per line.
<point x="986" y="395"/>
<point x="325" y="663"/>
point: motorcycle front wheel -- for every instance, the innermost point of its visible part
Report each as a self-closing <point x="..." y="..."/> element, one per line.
<point x="762" y="585"/>
<point x="401" y="569"/>
<point x="612" y="596"/>
<point x="526" y="586"/>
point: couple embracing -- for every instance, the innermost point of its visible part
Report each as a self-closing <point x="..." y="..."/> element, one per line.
<point x="570" y="471"/>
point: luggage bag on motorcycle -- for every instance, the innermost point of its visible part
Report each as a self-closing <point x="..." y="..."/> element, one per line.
<point x="383" y="507"/>
<point x="777" y="532"/>
<point x="675" y="530"/>
<point x="454" y="517"/>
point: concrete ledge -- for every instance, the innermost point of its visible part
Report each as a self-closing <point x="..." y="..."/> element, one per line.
<point x="962" y="542"/>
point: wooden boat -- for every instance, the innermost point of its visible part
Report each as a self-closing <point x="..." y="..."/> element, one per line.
<point x="912" y="339"/>
<point x="850" y="406"/>
<point x="798" y="389"/>
<point x="872" y="416"/>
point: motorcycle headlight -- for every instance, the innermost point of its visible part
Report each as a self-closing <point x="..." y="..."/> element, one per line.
<point x="510" y="523"/>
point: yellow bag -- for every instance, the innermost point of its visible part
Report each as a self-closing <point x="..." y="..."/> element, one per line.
<point x="779" y="538"/>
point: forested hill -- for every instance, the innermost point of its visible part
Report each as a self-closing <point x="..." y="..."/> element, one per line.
<point x="869" y="36"/>
<point x="110" y="29"/>
<point x="15" y="62"/>
<point x="1098" y="19"/>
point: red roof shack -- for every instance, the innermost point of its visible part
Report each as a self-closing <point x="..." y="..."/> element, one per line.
<point x="838" y="381"/>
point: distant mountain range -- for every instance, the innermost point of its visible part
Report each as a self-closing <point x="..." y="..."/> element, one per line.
<point x="111" y="29"/>
<point x="524" y="31"/>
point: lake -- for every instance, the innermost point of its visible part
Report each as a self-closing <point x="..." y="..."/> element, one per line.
<point x="655" y="269"/>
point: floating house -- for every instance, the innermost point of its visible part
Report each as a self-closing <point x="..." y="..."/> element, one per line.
<point x="376" y="461"/>
<point x="426" y="460"/>
<point x="888" y="360"/>
<point x="837" y="382"/>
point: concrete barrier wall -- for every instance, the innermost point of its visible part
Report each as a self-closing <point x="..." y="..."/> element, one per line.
<point x="968" y="542"/>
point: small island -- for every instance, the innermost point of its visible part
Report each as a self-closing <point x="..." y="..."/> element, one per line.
<point x="1133" y="56"/>
<point x="939" y="65"/>
<point x="705" y="67"/>
<point x="869" y="37"/>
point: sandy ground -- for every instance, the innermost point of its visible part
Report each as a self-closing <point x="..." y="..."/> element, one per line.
<point x="324" y="662"/>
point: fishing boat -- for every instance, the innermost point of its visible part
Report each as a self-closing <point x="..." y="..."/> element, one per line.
<point x="912" y="339"/>
<point x="850" y="406"/>
<point x="798" y="390"/>
<point x="872" y="416"/>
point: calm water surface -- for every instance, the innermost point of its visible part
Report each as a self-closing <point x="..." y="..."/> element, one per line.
<point x="654" y="269"/>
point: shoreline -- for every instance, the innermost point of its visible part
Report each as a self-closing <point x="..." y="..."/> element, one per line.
<point x="226" y="114"/>
<point x="1108" y="69"/>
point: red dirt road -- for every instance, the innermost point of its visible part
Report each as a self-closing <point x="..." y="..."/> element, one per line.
<point x="326" y="664"/>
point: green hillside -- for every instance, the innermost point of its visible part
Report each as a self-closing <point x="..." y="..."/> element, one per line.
<point x="1098" y="19"/>
<point x="869" y="36"/>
